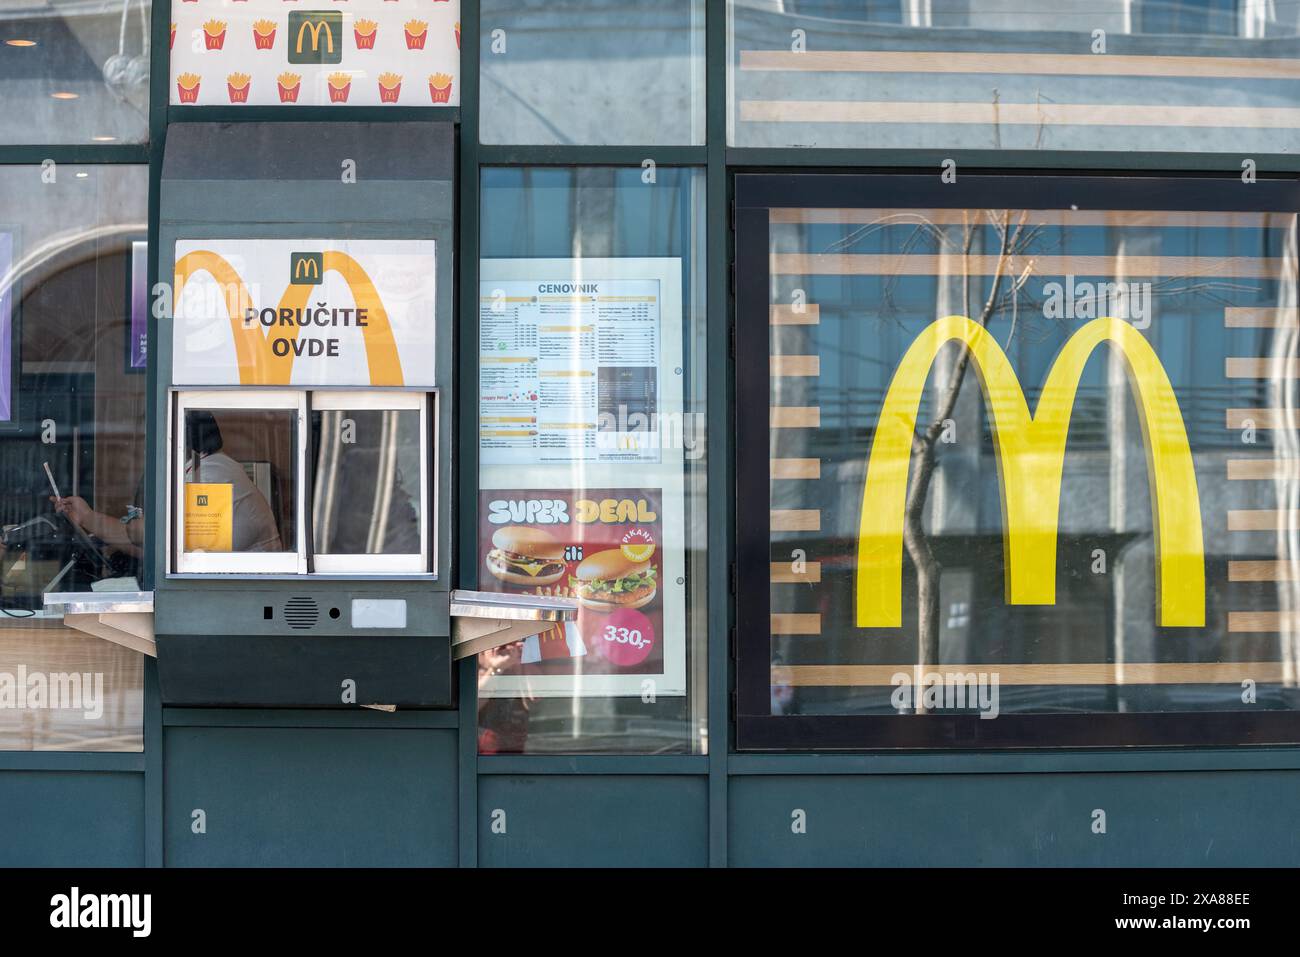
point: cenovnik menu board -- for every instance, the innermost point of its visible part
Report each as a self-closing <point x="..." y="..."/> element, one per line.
<point x="580" y="382"/>
<point x="272" y="52"/>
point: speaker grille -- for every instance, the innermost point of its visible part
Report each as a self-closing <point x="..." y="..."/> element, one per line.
<point x="301" y="612"/>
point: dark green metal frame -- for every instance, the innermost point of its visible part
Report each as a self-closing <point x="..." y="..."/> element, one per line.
<point x="719" y="163"/>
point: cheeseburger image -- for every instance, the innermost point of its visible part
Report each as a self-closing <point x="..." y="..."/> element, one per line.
<point x="526" y="556"/>
<point x="609" y="580"/>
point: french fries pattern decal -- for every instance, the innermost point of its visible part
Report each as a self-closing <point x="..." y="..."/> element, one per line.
<point x="286" y="52"/>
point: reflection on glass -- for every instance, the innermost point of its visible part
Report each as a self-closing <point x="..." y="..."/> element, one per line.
<point x="240" y="480"/>
<point x="74" y="72"/>
<point x="1169" y="75"/>
<point x="366" y="499"/>
<point x="592" y="72"/>
<point x="591" y="454"/>
<point x="72" y="400"/>
<point x="1052" y="448"/>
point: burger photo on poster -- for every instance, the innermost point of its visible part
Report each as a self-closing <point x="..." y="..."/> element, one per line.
<point x="610" y="580"/>
<point x="526" y="556"/>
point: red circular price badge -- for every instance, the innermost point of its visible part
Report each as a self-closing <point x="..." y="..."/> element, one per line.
<point x="626" y="637"/>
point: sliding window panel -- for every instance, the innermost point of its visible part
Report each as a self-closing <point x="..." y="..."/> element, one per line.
<point x="1157" y="75"/>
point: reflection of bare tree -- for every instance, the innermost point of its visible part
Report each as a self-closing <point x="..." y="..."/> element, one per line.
<point x="1012" y="241"/>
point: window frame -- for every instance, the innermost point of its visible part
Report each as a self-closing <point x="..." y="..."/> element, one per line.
<point x="756" y="729"/>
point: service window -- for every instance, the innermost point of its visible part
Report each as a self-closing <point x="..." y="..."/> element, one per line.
<point x="295" y="482"/>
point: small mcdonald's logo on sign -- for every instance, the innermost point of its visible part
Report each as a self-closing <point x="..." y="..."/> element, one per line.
<point x="315" y="36"/>
<point x="202" y="501"/>
<point x="306" y="269"/>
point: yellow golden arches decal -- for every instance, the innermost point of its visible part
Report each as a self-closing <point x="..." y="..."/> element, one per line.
<point x="1030" y="452"/>
<point x="258" y="364"/>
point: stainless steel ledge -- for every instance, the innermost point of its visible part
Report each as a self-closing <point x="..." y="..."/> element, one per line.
<point x="481" y="620"/>
<point x="122" y="617"/>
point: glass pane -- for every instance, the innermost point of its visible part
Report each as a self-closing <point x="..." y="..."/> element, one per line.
<point x="240" y="480"/>
<point x="591" y="456"/>
<point x="1091" y="508"/>
<point x="1167" y="75"/>
<point x="366" y="475"/>
<point x="72" y="449"/>
<point x="592" y="72"/>
<point x="365" y="53"/>
<point x="74" y="72"/>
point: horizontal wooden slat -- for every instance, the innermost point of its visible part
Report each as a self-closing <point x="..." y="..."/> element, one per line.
<point x="796" y="468"/>
<point x="1261" y="367"/>
<point x="1144" y="673"/>
<point x="796" y="520"/>
<point x="1017" y="64"/>
<point x="783" y="573"/>
<point x="1035" y="217"/>
<point x="1260" y="419"/>
<point x="796" y="624"/>
<point x="795" y="417"/>
<point x="925" y="264"/>
<point x="1262" y="519"/>
<point x="1265" y="622"/>
<point x="1243" y="317"/>
<point x="795" y="366"/>
<point x="809" y="315"/>
<point x="1002" y="113"/>
<point x="1263" y="469"/>
<point x="1262" y="571"/>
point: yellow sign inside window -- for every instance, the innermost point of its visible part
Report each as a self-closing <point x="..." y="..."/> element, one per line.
<point x="209" y="516"/>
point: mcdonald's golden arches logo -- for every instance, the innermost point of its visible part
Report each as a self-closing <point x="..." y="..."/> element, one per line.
<point x="1030" y="452"/>
<point x="315" y="36"/>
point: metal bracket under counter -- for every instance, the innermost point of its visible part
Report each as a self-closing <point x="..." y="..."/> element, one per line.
<point x="122" y="617"/>
<point x="481" y="620"/>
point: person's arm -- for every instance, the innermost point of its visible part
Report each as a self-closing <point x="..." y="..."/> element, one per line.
<point x="107" y="529"/>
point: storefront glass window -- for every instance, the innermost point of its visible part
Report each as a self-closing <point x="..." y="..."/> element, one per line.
<point x="1164" y="75"/>
<point x="74" y="72"/>
<point x="1052" y="452"/>
<point x="591" y="375"/>
<point x="592" y="72"/>
<point x="73" y="312"/>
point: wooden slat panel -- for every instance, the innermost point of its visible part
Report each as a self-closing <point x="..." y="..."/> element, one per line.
<point x="1145" y="673"/>
<point x="1261" y="419"/>
<point x="795" y="366"/>
<point x="1263" y="469"/>
<point x="795" y="417"/>
<point x="1014" y="64"/>
<point x="1262" y="519"/>
<point x="796" y="624"/>
<point x="1261" y="367"/>
<point x="1262" y="621"/>
<point x="1261" y="571"/>
<point x="1241" y="317"/>
<point x="796" y="520"/>
<point x="1036" y="217"/>
<point x="1003" y="113"/>
<point x="790" y="316"/>
<point x="783" y="573"/>
<point x="924" y="264"/>
<point x="796" y="468"/>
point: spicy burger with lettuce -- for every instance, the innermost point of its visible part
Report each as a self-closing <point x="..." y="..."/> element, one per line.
<point x="609" y="580"/>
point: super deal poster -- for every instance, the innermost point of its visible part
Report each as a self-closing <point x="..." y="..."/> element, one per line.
<point x="581" y="485"/>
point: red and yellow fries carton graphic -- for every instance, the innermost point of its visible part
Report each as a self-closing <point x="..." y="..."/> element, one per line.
<point x="214" y="34"/>
<point x="187" y="87"/>
<point x="171" y="44"/>
<point x="365" y="32"/>
<point x="417" y="31"/>
<point x="263" y="34"/>
<point x="340" y="85"/>
<point x="440" y="87"/>
<point x="288" y="84"/>
<point x="238" y="85"/>
<point x="390" y="87"/>
<point x="457" y="29"/>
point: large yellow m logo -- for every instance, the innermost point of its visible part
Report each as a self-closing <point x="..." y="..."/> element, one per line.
<point x="1030" y="452"/>
<point x="315" y="26"/>
<point x="258" y="365"/>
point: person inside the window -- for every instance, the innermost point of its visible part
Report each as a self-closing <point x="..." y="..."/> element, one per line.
<point x="253" y="527"/>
